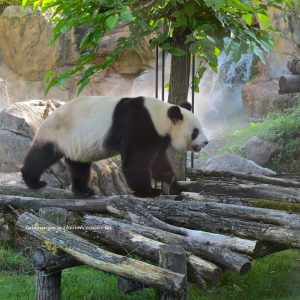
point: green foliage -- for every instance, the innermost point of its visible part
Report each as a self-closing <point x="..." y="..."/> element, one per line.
<point x="282" y="128"/>
<point x="207" y="26"/>
<point x="5" y="3"/>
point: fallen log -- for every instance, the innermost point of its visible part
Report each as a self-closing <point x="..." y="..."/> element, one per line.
<point x="44" y="260"/>
<point x="126" y="236"/>
<point x="191" y="215"/>
<point x="244" y="190"/>
<point x="137" y="213"/>
<point x="294" y="66"/>
<point x="47" y="192"/>
<point x="89" y="254"/>
<point x="202" y="197"/>
<point x="90" y="204"/>
<point x="215" y="253"/>
<point x="172" y="257"/>
<point x="194" y="174"/>
<point x="289" y="84"/>
<point x="264" y="215"/>
<point x="260" y="203"/>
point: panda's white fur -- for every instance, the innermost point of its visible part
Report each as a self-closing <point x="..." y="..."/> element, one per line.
<point x="91" y="128"/>
<point x="80" y="126"/>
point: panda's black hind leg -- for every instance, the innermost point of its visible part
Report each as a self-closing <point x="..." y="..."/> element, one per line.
<point x="40" y="156"/>
<point x="80" y="175"/>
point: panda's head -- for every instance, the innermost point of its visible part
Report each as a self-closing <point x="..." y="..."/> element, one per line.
<point x="186" y="131"/>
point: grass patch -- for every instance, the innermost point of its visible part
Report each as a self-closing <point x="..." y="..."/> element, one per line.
<point x="274" y="277"/>
<point x="281" y="127"/>
<point x="12" y="262"/>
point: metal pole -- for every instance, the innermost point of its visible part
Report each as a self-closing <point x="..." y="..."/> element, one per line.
<point x="193" y="100"/>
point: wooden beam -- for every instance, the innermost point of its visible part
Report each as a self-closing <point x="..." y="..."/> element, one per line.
<point x="133" y="239"/>
<point x="217" y="254"/>
<point x="289" y="84"/>
<point x="90" y="254"/>
<point x="172" y="257"/>
<point x="294" y="66"/>
<point x="195" y="174"/>
<point x="244" y="190"/>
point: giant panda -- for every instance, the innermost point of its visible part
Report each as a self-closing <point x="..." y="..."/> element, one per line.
<point x="91" y="128"/>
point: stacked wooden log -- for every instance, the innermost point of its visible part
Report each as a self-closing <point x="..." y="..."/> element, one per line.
<point x="213" y="224"/>
<point x="291" y="83"/>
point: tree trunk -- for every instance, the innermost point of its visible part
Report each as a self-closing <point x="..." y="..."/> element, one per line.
<point x="178" y="93"/>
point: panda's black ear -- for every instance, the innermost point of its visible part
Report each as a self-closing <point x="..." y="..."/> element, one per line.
<point x="186" y="105"/>
<point x="175" y="114"/>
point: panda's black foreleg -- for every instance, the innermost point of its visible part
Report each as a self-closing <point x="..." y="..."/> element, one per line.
<point x="40" y="156"/>
<point x="161" y="168"/>
<point x="136" y="168"/>
<point x="80" y="175"/>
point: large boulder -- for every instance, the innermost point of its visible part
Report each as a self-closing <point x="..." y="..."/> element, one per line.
<point x="260" y="96"/>
<point x="25" y="43"/>
<point x="18" y="124"/>
<point x="234" y="163"/>
<point x="15" y="178"/>
<point x="259" y="150"/>
<point x="26" y="55"/>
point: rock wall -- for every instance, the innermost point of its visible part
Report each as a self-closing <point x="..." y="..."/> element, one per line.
<point x="26" y="55"/>
<point x="260" y="96"/>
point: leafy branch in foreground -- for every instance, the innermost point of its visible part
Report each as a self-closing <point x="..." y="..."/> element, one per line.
<point x="206" y="26"/>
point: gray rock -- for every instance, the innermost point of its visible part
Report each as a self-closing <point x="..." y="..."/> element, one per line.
<point x="18" y="124"/>
<point x="259" y="151"/>
<point x="235" y="163"/>
<point x="15" y="178"/>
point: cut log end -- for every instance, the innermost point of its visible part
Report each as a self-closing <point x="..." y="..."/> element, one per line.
<point x="245" y="268"/>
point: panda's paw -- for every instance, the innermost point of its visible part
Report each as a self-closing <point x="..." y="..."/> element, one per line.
<point x="175" y="189"/>
<point x="42" y="184"/>
<point x="84" y="193"/>
<point x="36" y="185"/>
<point x="151" y="193"/>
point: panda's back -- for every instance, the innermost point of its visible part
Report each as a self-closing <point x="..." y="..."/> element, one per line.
<point x="79" y="127"/>
<point x="91" y="128"/>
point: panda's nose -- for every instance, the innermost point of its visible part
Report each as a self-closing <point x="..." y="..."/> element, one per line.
<point x="205" y="143"/>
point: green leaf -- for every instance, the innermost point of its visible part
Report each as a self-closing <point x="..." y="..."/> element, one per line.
<point x="258" y="52"/>
<point x="217" y="4"/>
<point x="248" y="18"/>
<point x="264" y="20"/>
<point x="227" y="42"/>
<point x="112" y="21"/>
<point x="126" y="16"/>
<point x="48" y="75"/>
<point x="189" y="9"/>
<point x="236" y="53"/>
<point x="83" y="84"/>
<point x="217" y="51"/>
<point x="176" y="51"/>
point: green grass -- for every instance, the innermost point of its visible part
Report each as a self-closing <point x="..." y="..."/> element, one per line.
<point x="282" y="128"/>
<point x="13" y="262"/>
<point x="274" y="277"/>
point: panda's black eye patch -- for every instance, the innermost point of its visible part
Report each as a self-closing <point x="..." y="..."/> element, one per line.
<point x="195" y="133"/>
